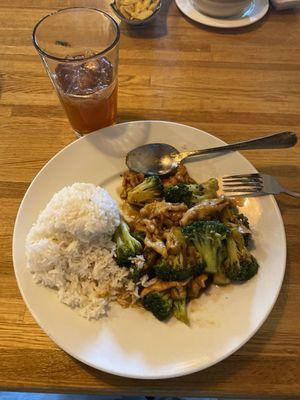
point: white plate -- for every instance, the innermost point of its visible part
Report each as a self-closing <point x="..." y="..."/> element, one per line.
<point x="132" y="342"/>
<point x="255" y="12"/>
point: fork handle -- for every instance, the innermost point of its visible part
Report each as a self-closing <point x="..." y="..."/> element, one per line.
<point x="276" y="141"/>
<point x="290" y="193"/>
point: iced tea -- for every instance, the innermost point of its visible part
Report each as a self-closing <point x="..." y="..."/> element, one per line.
<point x="88" y="93"/>
<point x="79" y="48"/>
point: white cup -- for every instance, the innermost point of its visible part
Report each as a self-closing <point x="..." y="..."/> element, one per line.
<point x="221" y="8"/>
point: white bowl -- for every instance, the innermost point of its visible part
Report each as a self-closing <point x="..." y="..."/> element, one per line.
<point x="221" y="8"/>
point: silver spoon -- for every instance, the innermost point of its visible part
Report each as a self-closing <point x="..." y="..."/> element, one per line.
<point x="161" y="158"/>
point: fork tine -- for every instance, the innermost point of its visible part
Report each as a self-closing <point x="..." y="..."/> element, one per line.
<point x="256" y="175"/>
<point x="244" y="190"/>
<point x="242" y="184"/>
<point x="247" y="194"/>
<point x="231" y="180"/>
<point x="248" y="185"/>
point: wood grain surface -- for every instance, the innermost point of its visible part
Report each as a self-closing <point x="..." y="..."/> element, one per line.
<point x="234" y="84"/>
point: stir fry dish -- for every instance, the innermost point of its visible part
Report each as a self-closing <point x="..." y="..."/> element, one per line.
<point x="177" y="237"/>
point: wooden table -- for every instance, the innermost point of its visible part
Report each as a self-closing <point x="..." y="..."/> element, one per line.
<point x="235" y="84"/>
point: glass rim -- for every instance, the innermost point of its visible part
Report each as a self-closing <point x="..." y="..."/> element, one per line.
<point x="66" y="59"/>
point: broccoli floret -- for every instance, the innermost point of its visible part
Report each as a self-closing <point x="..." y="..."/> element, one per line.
<point x="165" y="272"/>
<point x="229" y="214"/>
<point x="175" y="269"/>
<point x="247" y="238"/>
<point x="180" y="311"/>
<point x="160" y="304"/>
<point x="151" y="258"/>
<point x="210" y="188"/>
<point x="208" y="238"/>
<point x="178" y="194"/>
<point x="231" y="217"/>
<point x="244" y="271"/>
<point x="139" y="236"/>
<point x="182" y="261"/>
<point x="232" y="262"/>
<point x="240" y="264"/>
<point x="249" y="267"/>
<point x="243" y="220"/>
<point x="191" y="194"/>
<point x="148" y="190"/>
<point x="126" y="245"/>
<point x="221" y="278"/>
<point x="135" y="273"/>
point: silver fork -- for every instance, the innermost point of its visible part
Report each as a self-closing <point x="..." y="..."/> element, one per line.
<point x="253" y="185"/>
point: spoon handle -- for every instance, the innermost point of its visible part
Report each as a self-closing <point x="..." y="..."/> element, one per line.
<point x="276" y="141"/>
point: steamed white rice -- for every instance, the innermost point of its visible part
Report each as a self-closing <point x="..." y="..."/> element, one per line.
<point x="70" y="249"/>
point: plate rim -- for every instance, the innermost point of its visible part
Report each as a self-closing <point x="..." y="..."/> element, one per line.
<point x="218" y="22"/>
<point x="188" y="370"/>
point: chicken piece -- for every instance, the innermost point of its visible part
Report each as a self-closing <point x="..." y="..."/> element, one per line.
<point x="156" y="244"/>
<point x="150" y="226"/>
<point x="178" y="293"/>
<point x="196" y="286"/>
<point x="163" y="211"/>
<point x="129" y="213"/>
<point x="139" y="226"/>
<point x="155" y="218"/>
<point x="132" y="217"/>
<point x="201" y="280"/>
<point x="124" y="299"/>
<point x="175" y="241"/>
<point x="207" y="209"/>
<point x="160" y="286"/>
<point x="180" y="176"/>
<point x="130" y="180"/>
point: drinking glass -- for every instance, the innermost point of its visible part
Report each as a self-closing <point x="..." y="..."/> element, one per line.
<point x="79" y="48"/>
